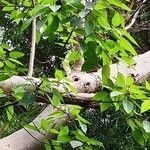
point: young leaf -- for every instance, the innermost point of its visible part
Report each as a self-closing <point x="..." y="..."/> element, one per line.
<point x="120" y="80"/>
<point x="145" y="106"/>
<point x="117" y="19"/>
<point x="126" y="45"/>
<point x="147" y="84"/>
<point x="59" y="75"/>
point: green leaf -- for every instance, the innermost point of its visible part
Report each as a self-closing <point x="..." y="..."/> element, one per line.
<point x="145" y="106"/>
<point x="90" y="56"/>
<point x="147" y="85"/>
<point x="10" y="8"/>
<point x="76" y="144"/>
<point x="115" y="93"/>
<point x="100" y="96"/>
<point x="47" y="144"/>
<point x="74" y="55"/>
<point x="129" y="37"/>
<point x="55" y="8"/>
<point x="105" y="73"/>
<point x="26" y="99"/>
<point x="10" y="112"/>
<point x="117" y="19"/>
<point x="120" y="80"/>
<point x="88" y="26"/>
<point x="146" y="126"/>
<point x="83" y="13"/>
<point x="128" y="60"/>
<point x="83" y="126"/>
<point x="9" y="64"/>
<point x="15" y="61"/>
<point x="129" y="81"/>
<point x="128" y="106"/>
<point x="100" y="5"/>
<point x="53" y="26"/>
<point x="59" y="75"/>
<point x="6" y="2"/>
<point x="64" y="130"/>
<point x="138" y="136"/>
<point x="26" y="24"/>
<point x="104" y="106"/>
<point x="4" y="77"/>
<point x="126" y="45"/>
<point x="57" y="98"/>
<point x="118" y="3"/>
<point x="31" y="126"/>
<point x="102" y="19"/>
<point x="54" y="131"/>
<point x="1" y="64"/>
<point x="16" y="54"/>
<point x="41" y="23"/>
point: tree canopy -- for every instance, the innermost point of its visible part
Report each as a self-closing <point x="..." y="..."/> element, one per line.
<point x="80" y="58"/>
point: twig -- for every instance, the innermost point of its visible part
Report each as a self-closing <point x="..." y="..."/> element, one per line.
<point x="135" y="15"/>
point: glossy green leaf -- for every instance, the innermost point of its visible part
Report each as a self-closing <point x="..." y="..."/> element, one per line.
<point x="55" y="8"/>
<point x="126" y="45"/>
<point x="115" y="93"/>
<point x="145" y="106"/>
<point x="128" y="106"/>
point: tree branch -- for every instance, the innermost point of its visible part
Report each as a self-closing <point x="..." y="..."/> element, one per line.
<point x="32" y="50"/>
<point x="133" y="17"/>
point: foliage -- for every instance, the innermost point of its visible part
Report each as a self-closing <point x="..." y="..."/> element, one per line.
<point x="99" y="29"/>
